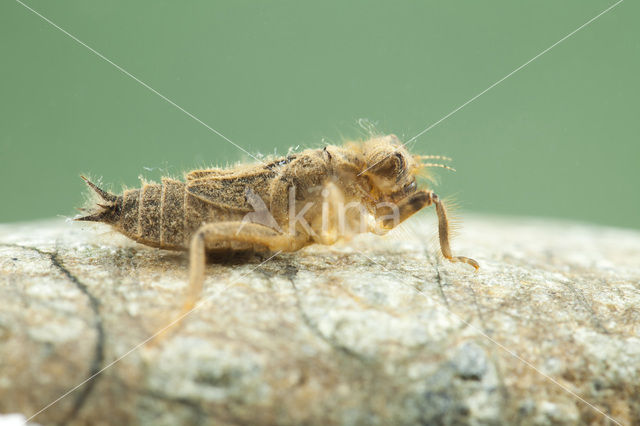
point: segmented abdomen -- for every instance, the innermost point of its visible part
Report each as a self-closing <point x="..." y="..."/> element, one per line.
<point x="155" y="214"/>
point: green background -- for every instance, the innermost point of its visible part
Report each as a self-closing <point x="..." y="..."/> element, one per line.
<point x="559" y="138"/>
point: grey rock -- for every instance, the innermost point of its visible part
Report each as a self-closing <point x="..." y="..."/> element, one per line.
<point x="378" y="331"/>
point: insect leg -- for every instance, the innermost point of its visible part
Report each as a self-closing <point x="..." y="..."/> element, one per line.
<point x="443" y="234"/>
<point x="211" y="235"/>
<point x="415" y="203"/>
<point x="406" y="208"/>
<point x="332" y="200"/>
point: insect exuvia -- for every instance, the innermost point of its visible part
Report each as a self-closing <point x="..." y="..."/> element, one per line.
<point x="315" y="196"/>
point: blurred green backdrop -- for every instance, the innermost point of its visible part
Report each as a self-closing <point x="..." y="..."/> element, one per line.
<point x="559" y="138"/>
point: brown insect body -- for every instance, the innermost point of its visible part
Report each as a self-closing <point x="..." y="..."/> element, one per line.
<point x="304" y="194"/>
<point x="167" y="215"/>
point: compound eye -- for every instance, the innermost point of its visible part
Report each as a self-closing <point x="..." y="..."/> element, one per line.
<point x="410" y="187"/>
<point x="401" y="162"/>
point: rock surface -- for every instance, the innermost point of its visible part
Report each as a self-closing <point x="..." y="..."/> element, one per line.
<point x="379" y="331"/>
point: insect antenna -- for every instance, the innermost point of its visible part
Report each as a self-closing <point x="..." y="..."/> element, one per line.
<point x="442" y="166"/>
<point x="433" y="157"/>
<point x="421" y="168"/>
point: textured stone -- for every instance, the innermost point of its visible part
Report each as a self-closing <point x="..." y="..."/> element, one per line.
<point x="378" y="331"/>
